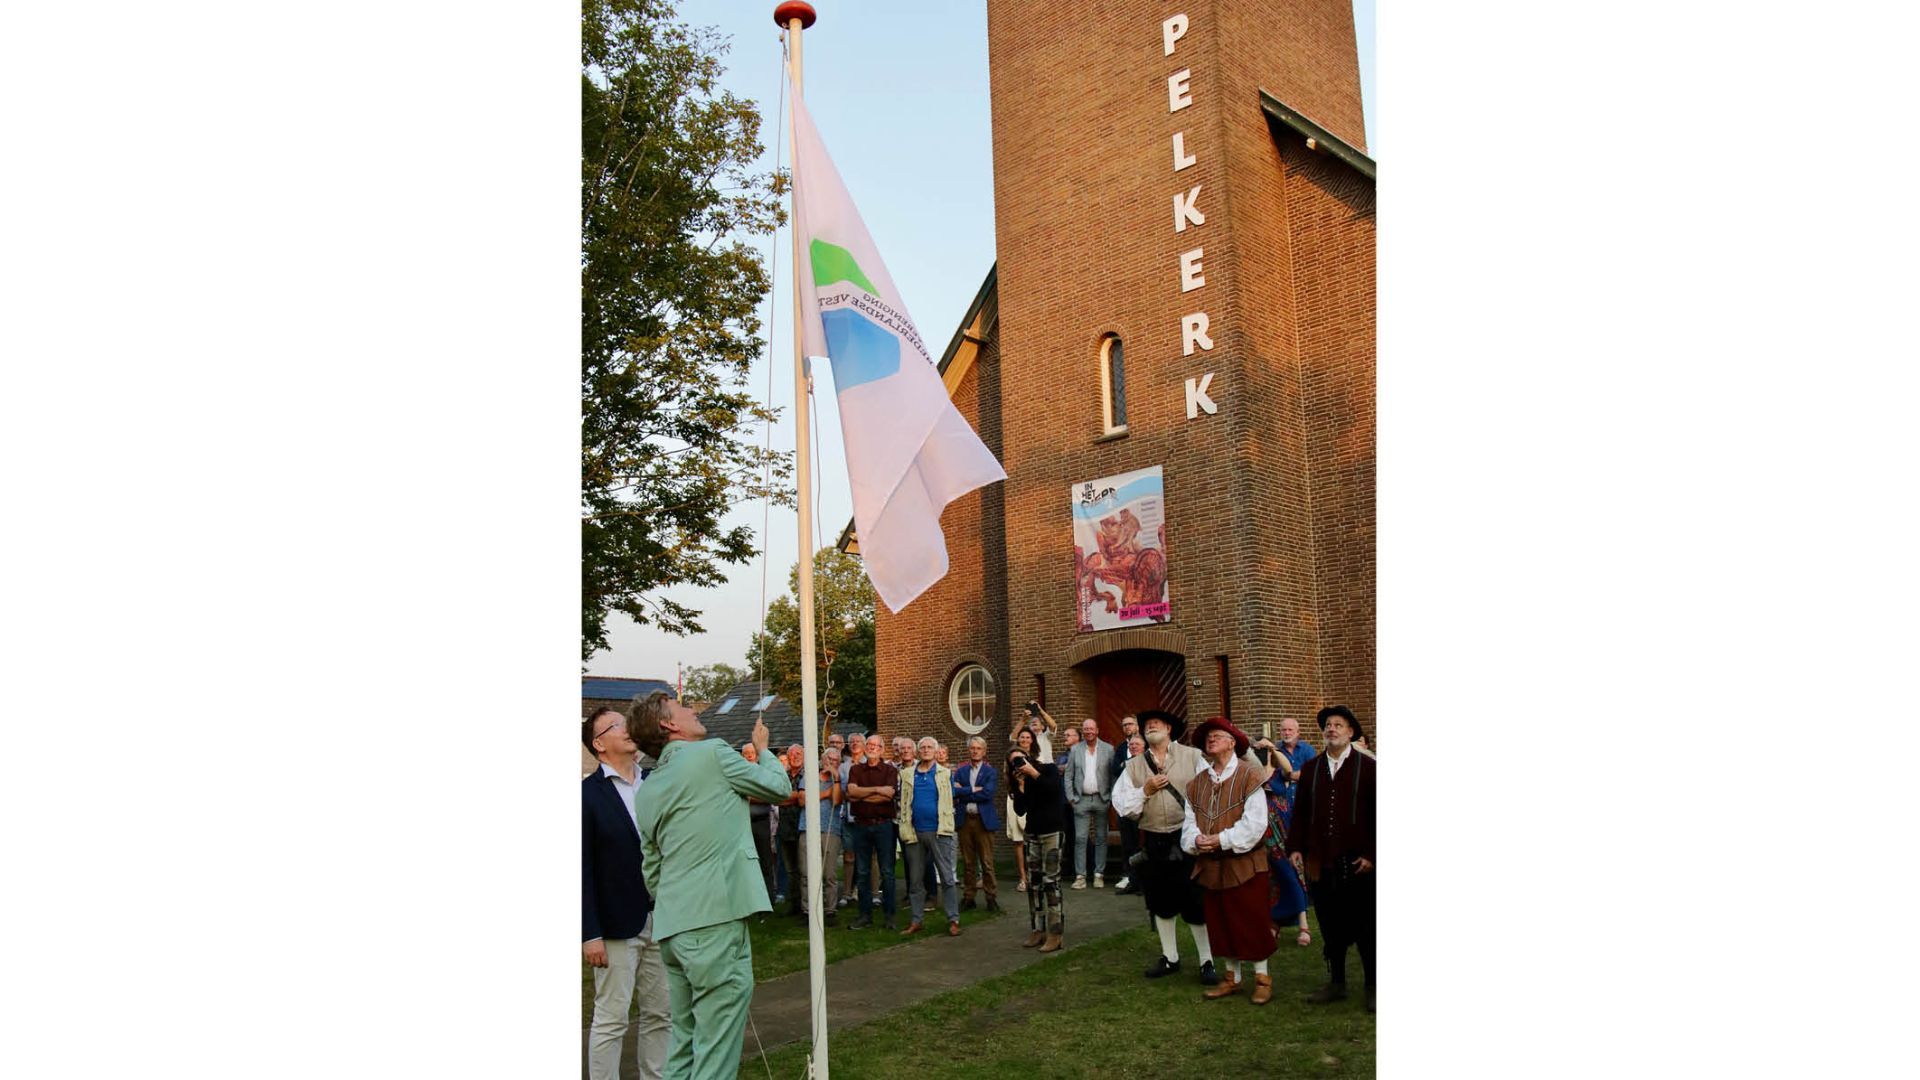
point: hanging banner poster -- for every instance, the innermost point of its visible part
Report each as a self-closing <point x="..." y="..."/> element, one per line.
<point x="1120" y="550"/>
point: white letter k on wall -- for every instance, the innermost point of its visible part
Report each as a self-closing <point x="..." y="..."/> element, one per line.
<point x="1197" y="398"/>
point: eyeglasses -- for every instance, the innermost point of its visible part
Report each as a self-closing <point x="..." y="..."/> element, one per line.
<point x="620" y="725"/>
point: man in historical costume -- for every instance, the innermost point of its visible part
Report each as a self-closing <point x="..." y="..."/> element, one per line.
<point x="1037" y="794"/>
<point x="1225" y="830"/>
<point x="1331" y="841"/>
<point x="701" y="869"/>
<point x="616" y="910"/>
<point x="1151" y="792"/>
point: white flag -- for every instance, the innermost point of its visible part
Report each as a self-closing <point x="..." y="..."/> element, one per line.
<point x="909" y="451"/>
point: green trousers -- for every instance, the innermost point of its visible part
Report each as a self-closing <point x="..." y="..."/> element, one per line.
<point x="709" y="987"/>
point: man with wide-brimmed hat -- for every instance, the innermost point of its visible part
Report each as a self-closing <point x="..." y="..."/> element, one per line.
<point x="1331" y="841"/>
<point x="1151" y="791"/>
<point x="1225" y="830"/>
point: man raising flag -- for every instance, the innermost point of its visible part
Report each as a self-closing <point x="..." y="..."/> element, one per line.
<point x="909" y="451"/>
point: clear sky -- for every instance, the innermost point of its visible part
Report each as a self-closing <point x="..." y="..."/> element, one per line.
<point x="899" y="93"/>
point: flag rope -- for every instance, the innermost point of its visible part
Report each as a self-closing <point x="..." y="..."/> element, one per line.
<point x="773" y="295"/>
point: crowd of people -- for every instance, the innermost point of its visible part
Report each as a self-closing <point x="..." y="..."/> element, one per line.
<point x="1234" y="836"/>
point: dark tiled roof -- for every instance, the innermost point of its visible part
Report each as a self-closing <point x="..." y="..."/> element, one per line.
<point x="602" y="688"/>
<point x="784" y="725"/>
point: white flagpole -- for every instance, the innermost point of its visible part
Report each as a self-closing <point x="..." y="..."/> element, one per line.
<point x="796" y="17"/>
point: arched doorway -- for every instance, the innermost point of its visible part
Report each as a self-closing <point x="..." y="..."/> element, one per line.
<point x="1129" y="680"/>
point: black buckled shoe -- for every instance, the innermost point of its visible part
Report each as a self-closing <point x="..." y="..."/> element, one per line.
<point x="1208" y="976"/>
<point x="1162" y="967"/>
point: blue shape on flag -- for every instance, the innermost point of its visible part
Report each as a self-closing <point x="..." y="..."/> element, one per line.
<point x="861" y="349"/>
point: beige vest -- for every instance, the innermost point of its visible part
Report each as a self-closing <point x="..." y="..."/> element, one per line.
<point x="1163" y="813"/>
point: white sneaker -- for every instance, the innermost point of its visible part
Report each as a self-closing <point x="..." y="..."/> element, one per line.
<point x="1123" y="883"/>
<point x="1099" y="881"/>
<point x="1080" y="882"/>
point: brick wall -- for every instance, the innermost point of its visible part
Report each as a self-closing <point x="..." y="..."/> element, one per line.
<point x="1270" y="500"/>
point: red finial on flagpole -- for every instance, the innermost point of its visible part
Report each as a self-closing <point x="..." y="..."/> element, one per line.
<point x="791" y="10"/>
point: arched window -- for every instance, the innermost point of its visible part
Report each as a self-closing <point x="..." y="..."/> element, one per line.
<point x="970" y="698"/>
<point x="1113" y="385"/>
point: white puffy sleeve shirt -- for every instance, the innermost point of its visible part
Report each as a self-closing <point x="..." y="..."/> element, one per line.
<point x="1129" y="798"/>
<point x="1243" y="835"/>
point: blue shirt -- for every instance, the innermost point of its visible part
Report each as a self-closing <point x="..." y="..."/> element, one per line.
<point x="926" y="801"/>
<point x="1296" y="757"/>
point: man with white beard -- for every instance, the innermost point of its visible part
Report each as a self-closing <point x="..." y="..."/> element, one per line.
<point x="1151" y="790"/>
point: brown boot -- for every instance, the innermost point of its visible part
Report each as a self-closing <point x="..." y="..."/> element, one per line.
<point x="1052" y="945"/>
<point x="1262" y="989"/>
<point x="1035" y="938"/>
<point x="1229" y="984"/>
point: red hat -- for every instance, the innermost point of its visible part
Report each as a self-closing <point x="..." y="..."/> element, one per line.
<point x="1240" y="740"/>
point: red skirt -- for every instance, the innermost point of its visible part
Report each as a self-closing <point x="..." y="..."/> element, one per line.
<point x="1237" y="924"/>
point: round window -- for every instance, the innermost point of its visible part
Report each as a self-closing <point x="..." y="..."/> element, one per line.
<point x="970" y="698"/>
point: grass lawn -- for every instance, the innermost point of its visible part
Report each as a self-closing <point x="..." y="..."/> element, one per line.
<point x="780" y="942"/>
<point x="1032" y="1022"/>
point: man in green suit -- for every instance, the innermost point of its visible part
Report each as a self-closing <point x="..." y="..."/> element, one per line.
<point x="703" y="874"/>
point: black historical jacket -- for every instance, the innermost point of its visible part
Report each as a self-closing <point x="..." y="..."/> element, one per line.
<point x="1333" y="817"/>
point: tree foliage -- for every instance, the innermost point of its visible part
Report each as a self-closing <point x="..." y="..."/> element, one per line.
<point x="709" y="682"/>
<point x="669" y="322"/>
<point x="843" y="602"/>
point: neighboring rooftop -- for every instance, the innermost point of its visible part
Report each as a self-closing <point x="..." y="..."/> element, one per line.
<point x="731" y="716"/>
<point x="608" y="688"/>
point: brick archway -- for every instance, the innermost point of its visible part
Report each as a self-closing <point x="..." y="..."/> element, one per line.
<point x="1156" y="638"/>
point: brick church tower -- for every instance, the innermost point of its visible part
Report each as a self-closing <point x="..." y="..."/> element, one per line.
<point x="1184" y="219"/>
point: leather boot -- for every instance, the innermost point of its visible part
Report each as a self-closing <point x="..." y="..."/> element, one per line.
<point x="1053" y="944"/>
<point x="1262" y="989"/>
<point x="1229" y="984"/>
<point x="1035" y="938"/>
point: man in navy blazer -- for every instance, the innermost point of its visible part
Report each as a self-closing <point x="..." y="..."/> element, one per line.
<point x="616" y="912"/>
<point x="974" y="788"/>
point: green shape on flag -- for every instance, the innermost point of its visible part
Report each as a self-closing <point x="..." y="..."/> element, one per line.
<point x="832" y="263"/>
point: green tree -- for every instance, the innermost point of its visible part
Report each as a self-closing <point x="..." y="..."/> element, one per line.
<point x="709" y="682"/>
<point x="669" y="298"/>
<point x="843" y="602"/>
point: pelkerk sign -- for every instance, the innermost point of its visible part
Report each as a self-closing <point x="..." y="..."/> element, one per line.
<point x="1186" y="212"/>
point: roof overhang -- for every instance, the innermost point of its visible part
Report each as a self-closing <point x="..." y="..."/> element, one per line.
<point x="1288" y="124"/>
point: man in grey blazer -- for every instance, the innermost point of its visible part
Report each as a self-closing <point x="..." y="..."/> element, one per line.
<point x="1089" y="793"/>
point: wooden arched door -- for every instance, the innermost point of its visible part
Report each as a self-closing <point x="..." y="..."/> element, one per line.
<point x="1130" y="680"/>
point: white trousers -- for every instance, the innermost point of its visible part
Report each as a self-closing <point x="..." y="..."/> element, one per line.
<point x="635" y="970"/>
